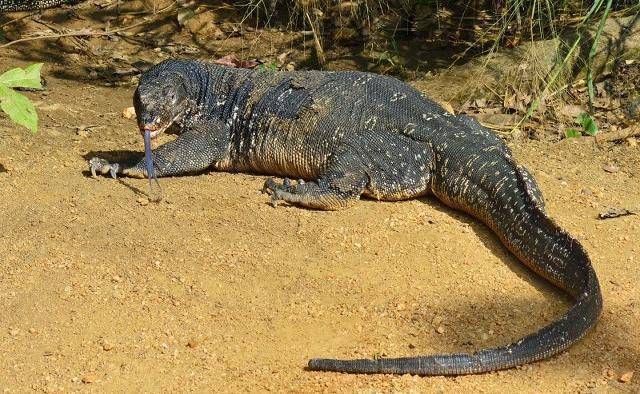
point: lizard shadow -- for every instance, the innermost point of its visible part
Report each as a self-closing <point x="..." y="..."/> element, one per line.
<point x="491" y="241"/>
<point x="471" y="324"/>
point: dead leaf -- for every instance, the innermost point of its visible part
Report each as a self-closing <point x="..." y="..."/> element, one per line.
<point x="498" y="121"/>
<point x="283" y="57"/>
<point x="232" y="60"/>
<point x="480" y="103"/>
<point x="447" y="107"/>
<point x="571" y="111"/>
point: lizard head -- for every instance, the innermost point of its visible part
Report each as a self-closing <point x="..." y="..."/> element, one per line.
<point x="160" y="102"/>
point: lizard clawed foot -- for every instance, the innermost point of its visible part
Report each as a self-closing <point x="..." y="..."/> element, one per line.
<point x="102" y="166"/>
<point x="271" y="185"/>
<point x="278" y="191"/>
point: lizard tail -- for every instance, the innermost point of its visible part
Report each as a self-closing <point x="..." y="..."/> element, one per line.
<point x="549" y="251"/>
<point x="31" y="5"/>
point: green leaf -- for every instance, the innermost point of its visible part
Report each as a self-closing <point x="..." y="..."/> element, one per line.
<point x="588" y="124"/>
<point x="23" y="78"/>
<point x="19" y="108"/>
<point x="572" y="133"/>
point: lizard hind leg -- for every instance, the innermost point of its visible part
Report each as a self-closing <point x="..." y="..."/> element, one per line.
<point x="325" y="193"/>
<point x="341" y="185"/>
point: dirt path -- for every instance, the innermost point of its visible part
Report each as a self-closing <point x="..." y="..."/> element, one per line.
<point x="213" y="289"/>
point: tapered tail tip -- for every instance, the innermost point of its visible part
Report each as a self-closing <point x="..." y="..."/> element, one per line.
<point x="324" y="364"/>
<point x="349" y="366"/>
<point x="315" y="364"/>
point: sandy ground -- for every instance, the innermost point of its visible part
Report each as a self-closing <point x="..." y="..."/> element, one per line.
<point x="214" y="289"/>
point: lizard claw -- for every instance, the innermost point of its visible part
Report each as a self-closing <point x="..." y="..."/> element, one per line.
<point x="114" y="170"/>
<point x="279" y="192"/>
<point x="271" y="186"/>
<point x="102" y="166"/>
<point x="274" y="200"/>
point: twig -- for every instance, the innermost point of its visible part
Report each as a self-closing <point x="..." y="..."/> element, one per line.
<point x="316" y="40"/>
<point x="18" y="19"/>
<point x="88" y="33"/>
<point x="75" y="34"/>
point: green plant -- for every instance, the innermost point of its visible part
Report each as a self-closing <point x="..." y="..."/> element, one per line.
<point x="271" y="66"/>
<point x="566" y="62"/>
<point x="18" y="107"/>
<point x="588" y="125"/>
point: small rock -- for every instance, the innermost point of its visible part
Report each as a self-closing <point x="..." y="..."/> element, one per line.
<point x="129" y="112"/>
<point x="587" y="192"/>
<point x="89" y="378"/>
<point x="400" y="307"/>
<point x="440" y="330"/>
<point x="611" y="168"/>
<point x="107" y="346"/>
<point x="626" y="377"/>
<point x="192" y="343"/>
<point x="143" y="201"/>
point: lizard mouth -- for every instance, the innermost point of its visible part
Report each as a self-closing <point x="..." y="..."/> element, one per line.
<point x="155" y="128"/>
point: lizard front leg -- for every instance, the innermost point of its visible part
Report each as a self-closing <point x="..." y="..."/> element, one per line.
<point x="193" y="151"/>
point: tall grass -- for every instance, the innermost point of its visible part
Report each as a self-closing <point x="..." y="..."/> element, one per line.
<point x="565" y="62"/>
<point x="482" y="26"/>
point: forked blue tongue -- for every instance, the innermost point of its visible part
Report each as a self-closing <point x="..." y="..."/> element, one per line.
<point x="151" y="172"/>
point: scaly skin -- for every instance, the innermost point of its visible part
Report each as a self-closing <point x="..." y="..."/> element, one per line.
<point x="350" y="134"/>
<point x="31" y="5"/>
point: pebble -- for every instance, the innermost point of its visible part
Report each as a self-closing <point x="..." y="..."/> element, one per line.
<point x="609" y="373"/>
<point x="143" y="201"/>
<point x="129" y="112"/>
<point x="440" y="330"/>
<point x="89" y="378"/>
<point x="106" y="346"/>
<point x="626" y="377"/>
<point x="611" y="168"/>
<point x="192" y="343"/>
